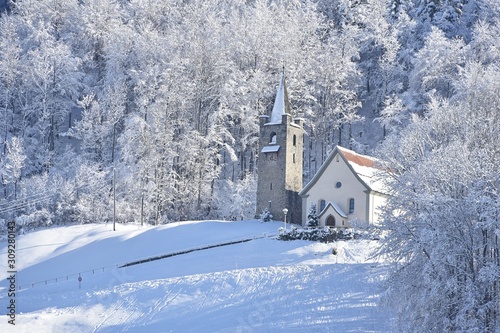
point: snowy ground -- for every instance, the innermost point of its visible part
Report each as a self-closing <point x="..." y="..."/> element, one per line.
<point x="263" y="285"/>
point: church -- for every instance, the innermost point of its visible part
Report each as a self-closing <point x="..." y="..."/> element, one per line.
<point x="346" y="188"/>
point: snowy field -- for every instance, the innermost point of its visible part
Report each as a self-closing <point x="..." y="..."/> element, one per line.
<point x="262" y="285"/>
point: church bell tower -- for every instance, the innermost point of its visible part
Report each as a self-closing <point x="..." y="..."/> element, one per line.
<point x="280" y="160"/>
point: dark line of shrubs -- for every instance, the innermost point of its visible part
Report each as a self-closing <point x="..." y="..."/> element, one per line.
<point x="324" y="235"/>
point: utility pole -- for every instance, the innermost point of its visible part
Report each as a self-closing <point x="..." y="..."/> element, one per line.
<point x="114" y="179"/>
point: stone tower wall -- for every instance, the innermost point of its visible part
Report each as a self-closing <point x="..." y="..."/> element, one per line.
<point x="280" y="179"/>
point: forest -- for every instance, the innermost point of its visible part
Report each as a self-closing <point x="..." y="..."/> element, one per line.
<point x="147" y="111"/>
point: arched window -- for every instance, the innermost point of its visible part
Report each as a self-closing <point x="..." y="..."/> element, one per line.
<point x="273" y="138"/>
<point x="322" y="205"/>
<point x="330" y="221"/>
<point x="351" y="205"/>
<point x="294" y="140"/>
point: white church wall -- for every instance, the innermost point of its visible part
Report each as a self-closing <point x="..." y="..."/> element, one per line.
<point x="377" y="202"/>
<point x="350" y="187"/>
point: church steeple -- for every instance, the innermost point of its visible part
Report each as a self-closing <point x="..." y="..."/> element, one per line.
<point x="280" y="160"/>
<point x="281" y="102"/>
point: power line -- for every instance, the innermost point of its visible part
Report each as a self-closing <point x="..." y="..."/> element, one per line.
<point x="33" y="199"/>
<point x="5" y="203"/>
<point x="10" y="206"/>
<point x="24" y="203"/>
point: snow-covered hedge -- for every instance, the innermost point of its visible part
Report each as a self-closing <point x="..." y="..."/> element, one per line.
<point x="325" y="235"/>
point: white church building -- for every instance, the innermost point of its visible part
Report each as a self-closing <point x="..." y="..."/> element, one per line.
<point x="348" y="187"/>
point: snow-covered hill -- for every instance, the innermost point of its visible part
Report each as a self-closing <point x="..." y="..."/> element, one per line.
<point x="263" y="285"/>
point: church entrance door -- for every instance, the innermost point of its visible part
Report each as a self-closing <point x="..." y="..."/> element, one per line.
<point x="330" y="221"/>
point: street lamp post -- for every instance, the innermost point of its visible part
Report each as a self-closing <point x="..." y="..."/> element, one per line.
<point x="285" y="211"/>
<point x="114" y="197"/>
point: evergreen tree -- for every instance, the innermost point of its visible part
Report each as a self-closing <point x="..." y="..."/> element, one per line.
<point x="312" y="216"/>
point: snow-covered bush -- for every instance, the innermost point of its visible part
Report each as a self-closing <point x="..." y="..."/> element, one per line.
<point x="266" y="216"/>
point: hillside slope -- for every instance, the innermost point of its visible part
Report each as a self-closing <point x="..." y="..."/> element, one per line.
<point x="258" y="286"/>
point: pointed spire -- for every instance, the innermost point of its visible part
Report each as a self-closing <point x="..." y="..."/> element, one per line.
<point x="281" y="103"/>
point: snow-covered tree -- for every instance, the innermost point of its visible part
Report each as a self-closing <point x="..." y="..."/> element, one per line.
<point x="312" y="216"/>
<point x="392" y="115"/>
<point x="442" y="220"/>
<point x="13" y="163"/>
<point x="168" y="93"/>
<point x="236" y="200"/>
<point x="9" y="71"/>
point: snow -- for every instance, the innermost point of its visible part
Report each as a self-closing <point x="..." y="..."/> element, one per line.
<point x="373" y="177"/>
<point x="270" y="149"/>
<point x="263" y="285"/>
<point x="335" y="207"/>
<point x="279" y="103"/>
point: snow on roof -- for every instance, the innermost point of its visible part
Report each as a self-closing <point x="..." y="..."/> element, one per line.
<point x="367" y="168"/>
<point x="271" y="149"/>
<point x="281" y="104"/>
<point x="335" y="207"/>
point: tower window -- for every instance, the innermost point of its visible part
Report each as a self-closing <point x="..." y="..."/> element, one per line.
<point x="271" y="186"/>
<point x="293" y="158"/>
<point x="273" y="138"/>
<point x="351" y="205"/>
<point x="294" y="140"/>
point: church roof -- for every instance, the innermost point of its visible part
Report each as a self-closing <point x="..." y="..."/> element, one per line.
<point x="361" y="160"/>
<point x="367" y="169"/>
<point x="281" y="102"/>
<point x="335" y="207"/>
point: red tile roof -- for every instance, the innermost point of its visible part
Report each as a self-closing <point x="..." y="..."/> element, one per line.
<point x="361" y="160"/>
